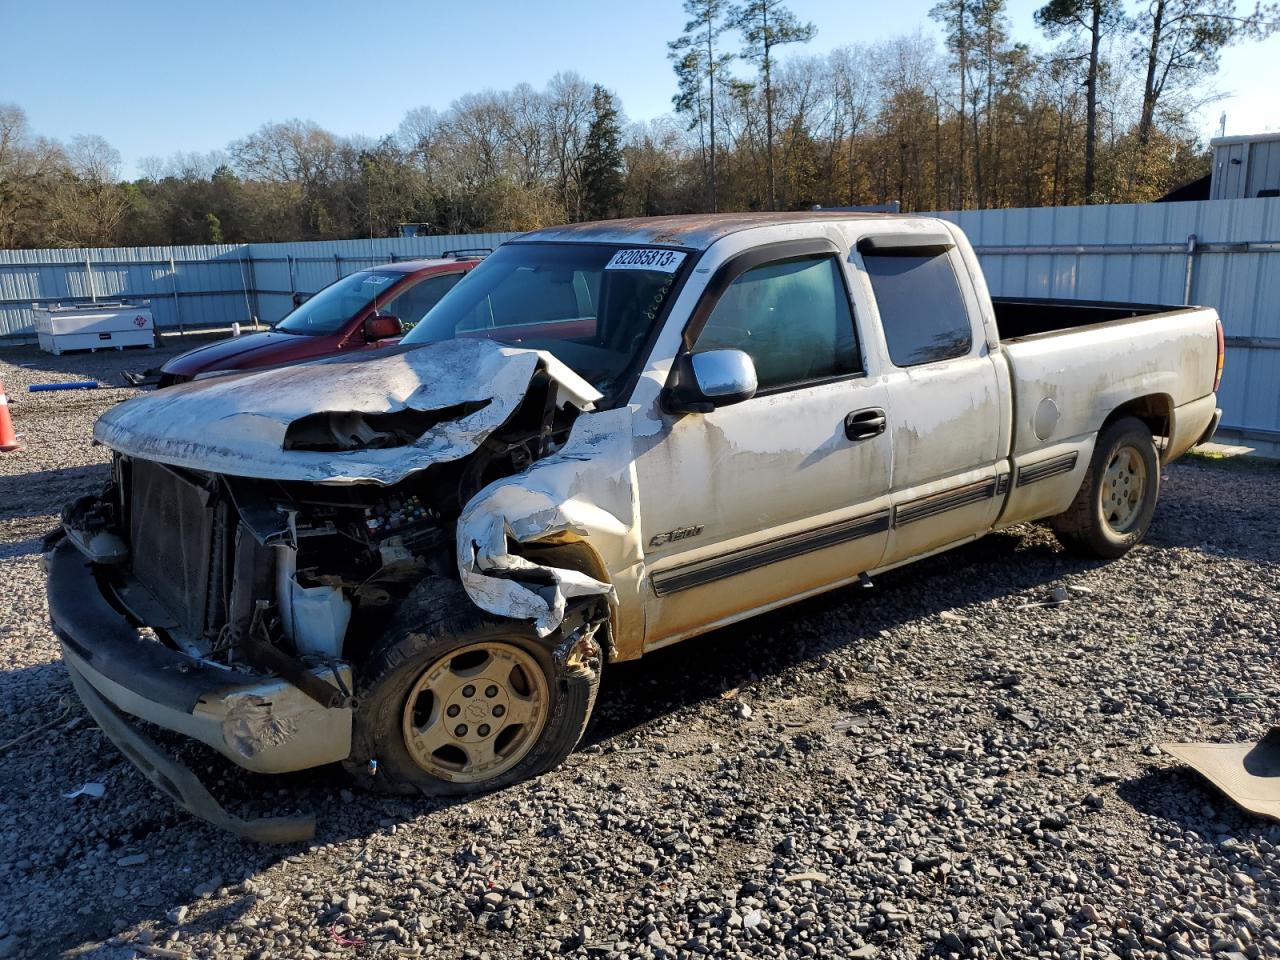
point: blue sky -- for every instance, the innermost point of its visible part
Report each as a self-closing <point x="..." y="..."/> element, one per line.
<point x="158" y="76"/>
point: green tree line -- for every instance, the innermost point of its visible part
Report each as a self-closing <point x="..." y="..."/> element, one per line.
<point x="1102" y="112"/>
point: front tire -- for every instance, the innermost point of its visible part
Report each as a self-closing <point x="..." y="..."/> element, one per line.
<point x="1117" y="498"/>
<point x="455" y="702"/>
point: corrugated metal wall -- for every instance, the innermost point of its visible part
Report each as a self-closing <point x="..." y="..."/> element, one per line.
<point x="200" y="286"/>
<point x="1135" y="252"/>
<point x="1138" y="253"/>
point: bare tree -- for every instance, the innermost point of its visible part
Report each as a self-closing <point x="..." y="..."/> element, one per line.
<point x="1094" y="20"/>
<point x="696" y="57"/>
<point x="766" y="24"/>
<point x="1183" y="40"/>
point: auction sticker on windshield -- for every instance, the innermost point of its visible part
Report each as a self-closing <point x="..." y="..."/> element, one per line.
<point x="662" y="261"/>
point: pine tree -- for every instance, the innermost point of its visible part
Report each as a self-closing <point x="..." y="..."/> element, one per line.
<point x="694" y="59"/>
<point x="766" y="24"/>
<point x="602" y="182"/>
<point x="1095" y="20"/>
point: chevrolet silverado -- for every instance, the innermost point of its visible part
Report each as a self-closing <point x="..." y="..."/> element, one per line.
<point x="614" y="436"/>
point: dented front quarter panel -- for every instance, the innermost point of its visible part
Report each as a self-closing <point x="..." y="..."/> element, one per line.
<point x="586" y="493"/>
<point x="237" y="425"/>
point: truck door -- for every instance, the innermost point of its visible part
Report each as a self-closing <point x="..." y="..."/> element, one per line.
<point x="945" y="404"/>
<point x="782" y="495"/>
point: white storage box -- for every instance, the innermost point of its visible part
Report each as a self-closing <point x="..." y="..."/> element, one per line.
<point x="95" y="326"/>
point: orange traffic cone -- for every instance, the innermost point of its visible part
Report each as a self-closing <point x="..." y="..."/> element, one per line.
<point x="8" y="439"/>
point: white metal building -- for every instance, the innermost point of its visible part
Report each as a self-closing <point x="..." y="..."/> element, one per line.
<point x="1245" y="167"/>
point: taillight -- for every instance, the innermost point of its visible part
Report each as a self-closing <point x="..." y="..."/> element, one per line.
<point x="1222" y="356"/>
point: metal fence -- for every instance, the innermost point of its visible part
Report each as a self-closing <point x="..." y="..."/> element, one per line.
<point x="199" y="286"/>
<point x="1218" y="253"/>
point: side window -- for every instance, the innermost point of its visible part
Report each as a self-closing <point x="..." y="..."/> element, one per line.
<point x="792" y="317"/>
<point x="921" y="308"/>
<point x="412" y="305"/>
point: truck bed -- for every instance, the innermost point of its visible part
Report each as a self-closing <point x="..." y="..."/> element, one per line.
<point x="1018" y="317"/>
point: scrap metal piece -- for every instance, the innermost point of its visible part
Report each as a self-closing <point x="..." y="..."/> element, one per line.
<point x="180" y="784"/>
<point x="1248" y="773"/>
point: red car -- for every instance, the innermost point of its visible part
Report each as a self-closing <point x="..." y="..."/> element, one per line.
<point x="371" y="308"/>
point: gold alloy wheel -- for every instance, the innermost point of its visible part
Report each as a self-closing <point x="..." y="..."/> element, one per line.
<point x="1123" y="484"/>
<point x="476" y="712"/>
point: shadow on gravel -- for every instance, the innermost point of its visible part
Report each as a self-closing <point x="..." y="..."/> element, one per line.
<point x="639" y="692"/>
<point x="39" y="492"/>
<point x="1200" y="508"/>
<point x="134" y="817"/>
<point x="1182" y="798"/>
<point x="90" y="366"/>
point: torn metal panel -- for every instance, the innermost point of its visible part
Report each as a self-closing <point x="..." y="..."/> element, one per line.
<point x="586" y="491"/>
<point x="238" y="425"/>
<point x="1248" y="773"/>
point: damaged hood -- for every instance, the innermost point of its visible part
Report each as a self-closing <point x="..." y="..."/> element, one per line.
<point x="238" y="424"/>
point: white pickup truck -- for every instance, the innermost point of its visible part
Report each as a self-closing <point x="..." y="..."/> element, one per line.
<point x="607" y="438"/>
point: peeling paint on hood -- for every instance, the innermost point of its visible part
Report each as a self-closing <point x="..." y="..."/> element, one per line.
<point x="237" y="424"/>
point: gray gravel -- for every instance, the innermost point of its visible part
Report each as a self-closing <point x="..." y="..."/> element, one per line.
<point x="928" y="767"/>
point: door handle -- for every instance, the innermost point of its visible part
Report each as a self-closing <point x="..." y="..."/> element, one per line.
<point x="863" y="424"/>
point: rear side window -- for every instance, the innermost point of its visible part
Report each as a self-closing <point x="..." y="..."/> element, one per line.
<point x="412" y="305"/>
<point x="921" y="308"/>
<point x="792" y="317"/>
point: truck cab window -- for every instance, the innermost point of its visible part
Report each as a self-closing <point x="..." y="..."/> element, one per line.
<point x="412" y="305"/>
<point x="792" y="317"/>
<point x="921" y="308"/>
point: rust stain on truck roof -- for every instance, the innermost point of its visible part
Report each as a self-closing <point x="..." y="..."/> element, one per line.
<point x="694" y="231"/>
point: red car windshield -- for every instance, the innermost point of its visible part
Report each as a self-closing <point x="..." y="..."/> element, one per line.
<point x="590" y="305"/>
<point x="337" y="303"/>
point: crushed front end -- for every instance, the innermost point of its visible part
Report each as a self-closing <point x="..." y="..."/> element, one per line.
<point x="238" y="610"/>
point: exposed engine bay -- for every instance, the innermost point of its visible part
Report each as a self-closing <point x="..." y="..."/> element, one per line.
<point x="236" y="569"/>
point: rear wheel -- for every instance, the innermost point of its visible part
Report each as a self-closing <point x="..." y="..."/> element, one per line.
<point x="1117" y="499"/>
<point x="456" y="702"/>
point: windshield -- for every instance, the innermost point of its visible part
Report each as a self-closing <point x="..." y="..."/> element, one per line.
<point x="592" y="306"/>
<point x="337" y="303"/>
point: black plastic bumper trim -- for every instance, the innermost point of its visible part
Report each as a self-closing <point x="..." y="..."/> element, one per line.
<point x="177" y="782"/>
<point x="98" y="634"/>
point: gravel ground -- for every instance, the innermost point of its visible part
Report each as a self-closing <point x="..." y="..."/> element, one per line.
<point x="929" y="767"/>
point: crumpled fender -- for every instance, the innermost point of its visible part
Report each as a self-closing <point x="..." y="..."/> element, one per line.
<point x="585" y="491"/>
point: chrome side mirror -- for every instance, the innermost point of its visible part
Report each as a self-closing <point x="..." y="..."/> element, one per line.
<point x="701" y="382"/>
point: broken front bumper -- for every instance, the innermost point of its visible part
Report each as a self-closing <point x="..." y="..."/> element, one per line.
<point x="262" y="723"/>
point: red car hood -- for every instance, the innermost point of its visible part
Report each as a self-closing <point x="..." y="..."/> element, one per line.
<point x="254" y="350"/>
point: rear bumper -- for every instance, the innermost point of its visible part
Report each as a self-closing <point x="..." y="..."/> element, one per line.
<point x="1210" y="430"/>
<point x="262" y="723"/>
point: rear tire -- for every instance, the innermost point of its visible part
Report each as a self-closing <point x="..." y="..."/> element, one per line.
<point x="455" y="702"/>
<point x="1117" y="498"/>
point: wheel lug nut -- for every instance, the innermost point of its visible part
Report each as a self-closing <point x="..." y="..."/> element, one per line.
<point x="468" y="691"/>
<point x="491" y="691"/>
<point x="453" y="710"/>
<point x="460" y="730"/>
<point x="483" y="729"/>
<point x="499" y="710"/>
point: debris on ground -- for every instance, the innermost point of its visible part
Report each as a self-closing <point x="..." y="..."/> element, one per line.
<point x="1248" y="773"/>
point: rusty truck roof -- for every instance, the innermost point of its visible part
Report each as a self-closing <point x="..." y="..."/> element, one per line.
<point x="695" y="231"/>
